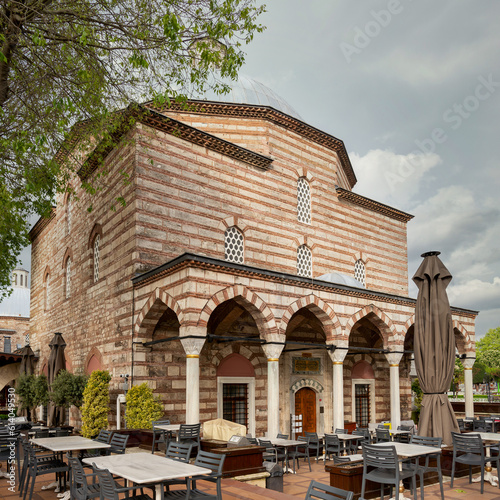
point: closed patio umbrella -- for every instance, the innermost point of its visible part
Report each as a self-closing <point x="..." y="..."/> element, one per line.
<point x="56" y="363"/>
<point x="434" y="348"/>
<point x="27" y="367"/>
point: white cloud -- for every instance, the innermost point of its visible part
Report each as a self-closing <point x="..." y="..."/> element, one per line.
<point x="391" y="178"/>
<point x="476" y="294"/>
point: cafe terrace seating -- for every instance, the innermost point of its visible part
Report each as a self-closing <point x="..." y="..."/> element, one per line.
<point x="325" y="492"/>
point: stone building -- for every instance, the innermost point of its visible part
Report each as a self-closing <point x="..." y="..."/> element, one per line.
<point x="242" y="278"/>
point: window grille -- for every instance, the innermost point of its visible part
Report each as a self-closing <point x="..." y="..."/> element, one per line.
<point x="304" y="261"/>
<point x="303" y="201"/>
<point x="68" y="278"/>
<point x="362" y="398"/>
<point x="233" y="245"/>
<point x="359" y="272"/>
<point x="235" y="403"/>
<point x="7" y="345"/>
<point x="47" y="292"/>
<point x="68" y="216"/>
<point x="96" y="259"/>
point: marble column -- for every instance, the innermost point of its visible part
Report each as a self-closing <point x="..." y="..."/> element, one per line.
<point x="192" y="347"/>
<point x="273" y="352"/>
<point x="337" y="356"/>
<point x="468" y="363"/>
<point x="394" y="359"/>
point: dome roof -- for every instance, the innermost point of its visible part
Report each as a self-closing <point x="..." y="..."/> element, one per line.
<point x="341" y="279"/>
<point x="245" y="90"/>
<point x="17" y="304"/>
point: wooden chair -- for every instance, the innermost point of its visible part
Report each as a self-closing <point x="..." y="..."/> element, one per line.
<point x="322" y="491"/>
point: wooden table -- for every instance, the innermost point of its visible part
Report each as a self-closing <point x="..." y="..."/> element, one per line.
<point x="408" y="450"/>
<point x="147" y="468"/>
<point x="66" y="443"/>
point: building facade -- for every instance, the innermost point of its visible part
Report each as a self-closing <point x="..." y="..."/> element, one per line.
<point x="241" y="278"/>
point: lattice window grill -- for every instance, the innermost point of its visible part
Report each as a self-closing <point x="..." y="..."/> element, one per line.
<point x="304" y="261"/>
<point x="303" y="201"/>
<point x="96" y="259"/>
<point x="359" y="272"/>
<point x="68" y="278"/>
<point x="234" y="245"/>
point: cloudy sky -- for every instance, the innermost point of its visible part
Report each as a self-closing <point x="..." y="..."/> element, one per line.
<point x="413" y="90"/>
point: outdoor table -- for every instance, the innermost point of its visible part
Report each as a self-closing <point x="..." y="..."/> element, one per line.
<point x="347" y="437"/>
<point x="408" y="450"/>
<point x="66" y="443"/>
<point x="147" y="468"/>
<point x="488" y="476"/>
<point x="286" y="443"/>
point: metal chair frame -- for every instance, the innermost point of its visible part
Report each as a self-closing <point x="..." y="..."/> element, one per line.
<point x="322" y="491"/>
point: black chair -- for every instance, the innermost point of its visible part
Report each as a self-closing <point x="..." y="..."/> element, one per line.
<point x="62" y="432"/>
<point x="315" y="444"/>
<point x="468" y="449"/>
<point x="79" y="486"/>
<point x="461" y="424"/>
<point x="333" y="445"/>
<point x="103" y="437"/>
<point x="179" y="451"/>
<point x="252" y="440"/>
<point x="341" y="431"/>
<point x="382" y="436"/>
<point x="403" y="438"/>
<point x="381" y="465"/>
<point x="110" y="490"/>
<point x="38" y="468"/>
<point x="117" y="444"/>
<point x="341" y="460"/>
<point x="272" y="453"/>
<point x="160" y="435"/>
<point x="325" y="492"/>
<point x="300" y="451"/>
<point x="426" y="467"/>
<point x="190" y="433"/>
<point x="213" y="461"/>
<point x="356" y="444"/>
<point x="282" y="436"/>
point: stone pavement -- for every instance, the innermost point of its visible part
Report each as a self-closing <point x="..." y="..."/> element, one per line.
<point x="295" y="486"/>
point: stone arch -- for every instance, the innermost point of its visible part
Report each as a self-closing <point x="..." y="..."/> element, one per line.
<point x="306" y="382"/>
<point x="96" y="230"/>
<point x="352" y="360"/>
<point x="233" y="221"/>
<point x="67" y="255"/>
<point x="46" y="273"/>
<point x="258" y="309"/>
<point x="153" y="309"/>
<point x="462" y="338"/>
<point x="93" y="353"/>
<point x="380" y="320"/>
<point x="321" y="310"/>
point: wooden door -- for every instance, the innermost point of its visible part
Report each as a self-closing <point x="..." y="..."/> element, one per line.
<point x="305" y="405"/>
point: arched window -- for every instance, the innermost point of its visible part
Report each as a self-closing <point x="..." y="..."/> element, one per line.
<point x="96" y="258"/>
<point x="15" y="279"/>
<point x="68" y="278"/>
<point x="68" y="215"/>
<point x="359" y="272"/>
<point x="47" y="292"/>
<point x="304" y="261"/>
<point x="234" y="245"/>
<point x="303" y="201"/>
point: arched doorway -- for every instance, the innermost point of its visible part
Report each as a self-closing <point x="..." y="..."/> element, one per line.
<point x="305" y="405"/>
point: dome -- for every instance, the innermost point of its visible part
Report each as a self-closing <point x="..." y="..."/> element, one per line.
<point x="18" y="303"/>
<point x="245" y="90"/>
<point x="341" y="279"/>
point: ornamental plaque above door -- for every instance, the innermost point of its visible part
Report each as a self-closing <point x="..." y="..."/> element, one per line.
<point x="306" y="366"/>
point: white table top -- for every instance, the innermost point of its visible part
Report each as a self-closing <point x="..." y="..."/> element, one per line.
<point x="410" y="450"/>
<point x="68" y="443"/>
<point x="347" y="437"/>
<point x="143" y="468"/>
<point x="168" y="427"/>
<point x="286" y="443"/>
<point x="486" y="436"/>
<point x="398" y="431"/>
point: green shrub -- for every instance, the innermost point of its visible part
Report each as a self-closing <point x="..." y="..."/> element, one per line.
<point x="142" y="407"/>
<point x="41" y="388"/>
<point x="95" y="406"/>
<point x="67" y="389"/>
<point x="25" y="390"/>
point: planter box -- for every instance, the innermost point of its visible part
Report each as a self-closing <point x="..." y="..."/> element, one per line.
<point x="349" y="477"/>
<point x="142" y="438"/>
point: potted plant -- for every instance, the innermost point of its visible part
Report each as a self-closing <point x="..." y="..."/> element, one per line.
<point x="143" y="407"/>
<point x="67" y="389"/>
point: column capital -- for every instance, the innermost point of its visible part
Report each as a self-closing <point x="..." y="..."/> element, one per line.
<point x="338" y="355"/>
<point x="273" y="351"/>
<point x="394" y="358"/>
<point x="468" y="362"/>
<point x="192" y="347"/>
